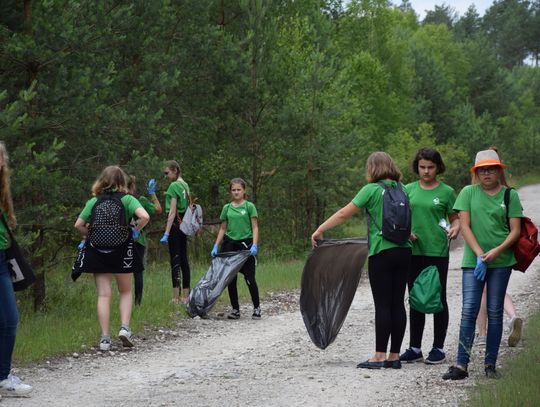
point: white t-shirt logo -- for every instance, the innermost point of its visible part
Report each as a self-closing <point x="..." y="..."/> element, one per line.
<point x="436" y="201"/>
<point x="243" y="211"/>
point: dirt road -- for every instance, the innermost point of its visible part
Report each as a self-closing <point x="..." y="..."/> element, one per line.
<point x="271" y="362"/>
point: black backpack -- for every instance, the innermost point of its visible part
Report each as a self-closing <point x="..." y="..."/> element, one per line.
<point x="108" y="227"/>
<point x="396" y="214"/>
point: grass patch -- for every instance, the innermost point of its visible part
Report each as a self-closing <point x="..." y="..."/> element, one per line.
<point x="70" y="320"/>
<point x="523" y="180"/>
<point x="519" y="384"/>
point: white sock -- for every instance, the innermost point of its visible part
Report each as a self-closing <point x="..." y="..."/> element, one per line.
<point x="417" y="350"/>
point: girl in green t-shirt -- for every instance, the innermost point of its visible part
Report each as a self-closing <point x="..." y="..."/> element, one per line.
<point x="176" y="203"/>
<point x="432" y="203"/>
<point x="153" y="207"/>
<point x="9" y="315"/>
<point x="106" y="264"/>
<point x="487" y="257"/>
<point x="239" y="230"/>
<point x="388" y="262"/>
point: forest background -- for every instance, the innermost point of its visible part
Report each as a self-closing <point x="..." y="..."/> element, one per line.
<point x="290" y="95"/>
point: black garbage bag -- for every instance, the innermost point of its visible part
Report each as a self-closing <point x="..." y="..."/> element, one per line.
<point x="329" y="282"/>
<point x="221" y="272"/>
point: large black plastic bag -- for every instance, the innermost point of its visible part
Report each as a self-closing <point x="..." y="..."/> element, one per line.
<point x="221" y="272"/>
<point x="329" y="282"/>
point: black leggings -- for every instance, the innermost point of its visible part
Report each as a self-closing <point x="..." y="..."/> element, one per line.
<point x="179" y="257"/>
<point x="388" y="278"/>
<point x="138" y="274"/>
<point x="248" y="270"/>
<point x="418" y="319"/>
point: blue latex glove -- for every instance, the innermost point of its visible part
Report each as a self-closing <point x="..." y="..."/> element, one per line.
<point x="253" y="249"/>
<point x="135" y="233"/>
<point x="480" y="269"/>
<point x="151" y="186"/>
<point x="82" y="245"/>
<point x="164" y="239"/>
<point x="214" y="251"/>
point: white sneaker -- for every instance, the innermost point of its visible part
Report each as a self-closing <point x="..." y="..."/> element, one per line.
<point x="105" y="344"/>
<point x="14" y="387"/>
<point x="125" y="337"/>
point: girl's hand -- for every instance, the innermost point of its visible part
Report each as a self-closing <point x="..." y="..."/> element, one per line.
<point x="453" y="233"/>
<point x="412" y="237"/>
<point x="491" y="255"/>
<point x="316" y="236"/>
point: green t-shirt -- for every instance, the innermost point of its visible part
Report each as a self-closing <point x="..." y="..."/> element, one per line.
<point x="4" y="235"/>
<point x="428" y="206"/>
<point x="370" y="197"/>
<point x="149" y="207"/>
<point x="488" y="222"/>
<point x="131" y="204"/>
<point x="239" y="220"/>
<point x="179" y="190"/>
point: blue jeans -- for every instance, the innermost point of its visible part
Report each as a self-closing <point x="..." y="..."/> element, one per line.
<point x="496" y="281"/>
<point x="9" y="317"/>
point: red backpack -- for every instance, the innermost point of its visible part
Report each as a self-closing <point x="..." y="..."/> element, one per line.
<point x="527" y="247"/>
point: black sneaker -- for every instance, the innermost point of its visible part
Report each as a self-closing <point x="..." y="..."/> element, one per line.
<point x="234" y="314"/>
<point x="491" y="372"/>
<point x="455" y="373"/>
<point x="410" y="356"/>
<point x="435" y="357"/>
<point x="256" y="313"/>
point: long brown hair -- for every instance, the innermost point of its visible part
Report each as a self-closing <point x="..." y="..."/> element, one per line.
<point x="6" y="201"/>
<point x="380" y="165"/>
<point x="112" y="178"/>
<point x="173" y="165"/>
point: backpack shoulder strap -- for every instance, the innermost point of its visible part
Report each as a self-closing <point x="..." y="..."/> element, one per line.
<point x="506" y="204"/>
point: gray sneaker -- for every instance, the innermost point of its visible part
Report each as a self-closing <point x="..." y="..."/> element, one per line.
<point x="105" y="344"/>
<point x="14" y="387"/>
<point x="516" y="325"/>
<point x="125" y="337"/>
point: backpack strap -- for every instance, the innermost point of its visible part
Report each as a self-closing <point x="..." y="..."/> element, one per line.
<point x="506" y="204"/>
<point x="372" y="220"/>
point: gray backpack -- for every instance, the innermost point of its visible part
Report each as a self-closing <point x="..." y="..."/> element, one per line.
<point x="192" y="220"/>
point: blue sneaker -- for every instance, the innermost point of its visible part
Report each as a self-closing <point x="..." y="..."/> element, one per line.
<point x="435" y="357"/>
<point x="410" y="356"/>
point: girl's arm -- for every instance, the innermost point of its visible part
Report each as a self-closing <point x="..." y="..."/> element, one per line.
<point x="255" y="229"/>
<point x="157" y="204"/>
<point x="81" y="226"/>
<point x="468" y="235"/>
<point x="513" y="236"/>
<point x="221" y="232"/>
<point x="142" y="218"/>
<point x="454" y="226"/>
<point x="337" y="218"/>
<point x="171" y="216"/>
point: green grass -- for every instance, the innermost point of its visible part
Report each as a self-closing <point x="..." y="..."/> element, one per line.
<point x="524" y="180"/>
<point x="70" y="324"/>
<point x="518" y="385"/>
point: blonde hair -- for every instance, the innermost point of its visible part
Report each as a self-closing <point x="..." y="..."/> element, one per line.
<point x="380" y="165"/>
<point x="173" y="165"/>
<point x="112" y="178"/>
<point x="6" y="200"/>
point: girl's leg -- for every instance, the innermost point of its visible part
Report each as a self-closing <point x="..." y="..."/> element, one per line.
<point x="233" y="294"/>
<point x="416" y="319"/>
<point x="481" y="320"/>
<point x="9" y="317"/>
<point x="248" y="269"/>
<point x="104" y="294"/>
<point x="440" y="320"/>
<point x="509" y="306"/>
<point x="380" y="282"/>
<point x="174" y="255"/>
<point x="401" y="259"/>
<point x="184" y="265"/>
<point x="124" y="282"/>
<point x="471" y="298"/>
<point x="497" y="282"/>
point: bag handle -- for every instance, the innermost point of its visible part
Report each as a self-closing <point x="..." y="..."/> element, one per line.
<point x="506" y="204"/>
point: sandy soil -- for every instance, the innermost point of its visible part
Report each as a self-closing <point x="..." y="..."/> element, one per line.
<point x="271" y="362"/>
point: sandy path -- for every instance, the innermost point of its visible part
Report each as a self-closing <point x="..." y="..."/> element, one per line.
<point x="271" y="362"/>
